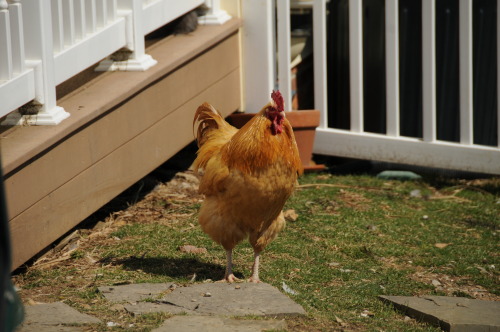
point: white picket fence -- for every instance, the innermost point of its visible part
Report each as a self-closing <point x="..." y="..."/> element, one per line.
<point x="262" y="74"/>
<point x="45" y="42"/>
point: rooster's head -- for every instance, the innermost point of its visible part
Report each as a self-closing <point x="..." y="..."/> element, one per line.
<point x="275" y="112"/>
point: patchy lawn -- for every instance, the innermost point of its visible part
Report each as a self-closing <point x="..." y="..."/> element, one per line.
<point x="356" y="237"/>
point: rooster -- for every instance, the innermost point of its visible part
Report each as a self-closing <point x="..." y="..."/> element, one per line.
<point x="248" y="175"/>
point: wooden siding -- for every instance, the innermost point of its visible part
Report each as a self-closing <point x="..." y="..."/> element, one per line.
<point x="122" y="126"/>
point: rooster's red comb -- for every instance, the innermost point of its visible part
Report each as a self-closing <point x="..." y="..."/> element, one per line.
<point x="278" y="99"/>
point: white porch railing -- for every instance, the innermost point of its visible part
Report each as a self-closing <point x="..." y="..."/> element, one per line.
<point x="45" y="42"/>
<point x="261" y="75"/>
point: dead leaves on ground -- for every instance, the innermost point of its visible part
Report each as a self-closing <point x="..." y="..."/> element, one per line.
<point x="290" y="215"/>
<point x="440" y="282"/>
<point x="190" y="249"/>
<point x="441" y="245"/>
<point x="452" y="285"/>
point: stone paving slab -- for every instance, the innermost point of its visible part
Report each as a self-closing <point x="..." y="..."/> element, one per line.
<point x="225" y="299"/>
<point x="54" y="317"/>
<point x="50" y="328"/>
<point x="134" y="292"/>
<point x="218" y="324"/>
<point x="140" y="308"/>
<point x="454" y="314"/>
<point x="232" y="300"/>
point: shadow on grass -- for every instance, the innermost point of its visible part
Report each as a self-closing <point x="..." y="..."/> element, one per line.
<point x="173" y="267"/>
<point x="481" y="222"/>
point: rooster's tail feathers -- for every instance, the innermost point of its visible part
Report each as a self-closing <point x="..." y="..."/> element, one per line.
<point x="212" y="132"/>
<point x="206" y="119"/>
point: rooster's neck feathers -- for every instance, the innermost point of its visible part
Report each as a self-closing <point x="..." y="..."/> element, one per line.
<point x="255" y="146"/>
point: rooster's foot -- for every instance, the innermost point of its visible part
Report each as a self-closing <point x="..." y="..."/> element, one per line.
<point x="230" y="278"/>
<point x="254" y="280"/>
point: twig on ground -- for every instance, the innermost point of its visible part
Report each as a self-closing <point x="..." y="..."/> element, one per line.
<point x="343" y="186"/>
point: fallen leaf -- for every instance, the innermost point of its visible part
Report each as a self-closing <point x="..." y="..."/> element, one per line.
<point x="288" y="290"/>
<point x="416" y="193"/>
<point x="436" y="283"/>
<point x="367" y="313"/>
<point x="290" y="215"/>
<point x="192" y="249"/>
<point x="340" y="321"/>
<point x="90" y="259"/>
<point x="32" y="302"/>
<point x="441" y="245"/>
<point x="481" y="269"/>
<point x="117" y="307"/>
<point x="120" y="222"/>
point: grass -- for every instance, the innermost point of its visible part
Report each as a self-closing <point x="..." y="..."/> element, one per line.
<point x="356" y="237"/>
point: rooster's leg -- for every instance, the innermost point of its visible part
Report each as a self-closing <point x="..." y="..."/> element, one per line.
<point x="255" y="268"/>
<point x="229" y="276"/>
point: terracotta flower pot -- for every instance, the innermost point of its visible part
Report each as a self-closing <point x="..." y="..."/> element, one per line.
<point x="304" y="125"/>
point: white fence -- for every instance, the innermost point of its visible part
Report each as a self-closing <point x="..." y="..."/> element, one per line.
<point x="45" y="42"/>
<point x="261" y="75"/>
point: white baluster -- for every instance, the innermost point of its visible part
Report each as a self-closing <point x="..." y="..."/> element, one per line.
<point x="215" y="14"/>
<point x="57" y="26"/>
<point x="5" y="43"/>
<point x="320" y="70"/>
<point x="112" y="9"/>
<point x="259" y="54"/>
<point x="102" y="13"/>
<point x="39" y="52"/>
<point x="466" y="72"/>
<point x="68" y="23"/>
<point x="356" y="63"/>
<point x="80" y="22"/>
<point x="16" y="25"/>
<point x="284" y="52"/>
<point x="498" y="73"/>
<point x="392" y="66"/>
<point x="137" y="59"/>
<point x="90" y="16"/>
<point x="429" y="70"/>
